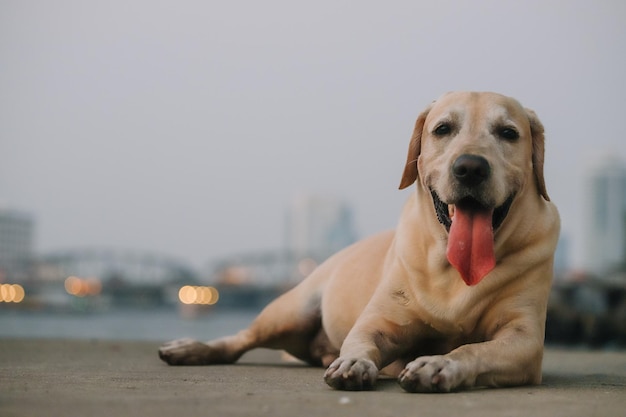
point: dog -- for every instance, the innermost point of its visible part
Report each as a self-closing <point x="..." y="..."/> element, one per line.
<point x="456" y="296"/>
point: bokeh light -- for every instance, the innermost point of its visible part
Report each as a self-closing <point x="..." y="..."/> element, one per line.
<point x="83" y="287"/>
<point x="12" y="293"/>
<point x="198" y="295"/>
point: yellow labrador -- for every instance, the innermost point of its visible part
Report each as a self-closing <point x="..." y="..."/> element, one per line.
<point x="456" y="296"/>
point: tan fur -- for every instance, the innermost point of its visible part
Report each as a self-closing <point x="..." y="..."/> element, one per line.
<point x="393" y="302"/>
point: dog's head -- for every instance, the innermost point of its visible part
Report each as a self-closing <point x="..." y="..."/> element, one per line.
<point x="473" y="153"/>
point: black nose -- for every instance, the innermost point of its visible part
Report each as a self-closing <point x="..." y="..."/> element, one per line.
<point x="471" y="170"/>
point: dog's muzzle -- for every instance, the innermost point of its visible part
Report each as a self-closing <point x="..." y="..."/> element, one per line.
<point x="469" y="221"/>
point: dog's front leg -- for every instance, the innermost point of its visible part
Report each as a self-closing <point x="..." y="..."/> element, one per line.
<point x="373" y="343"/>
<point x="512" y="357"/>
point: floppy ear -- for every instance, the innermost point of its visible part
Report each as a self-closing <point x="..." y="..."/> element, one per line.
<point x="536" y="129"/>
<point x="410" y="169"/>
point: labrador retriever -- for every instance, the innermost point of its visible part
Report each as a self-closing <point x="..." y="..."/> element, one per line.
<point x="456" y="296"/>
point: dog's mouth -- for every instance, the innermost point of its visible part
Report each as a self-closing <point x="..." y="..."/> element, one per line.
<point x="470" y="227"/>
<point x="445" y="212"/>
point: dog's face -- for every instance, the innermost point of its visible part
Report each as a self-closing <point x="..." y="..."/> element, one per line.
<point x="474" y="153"/>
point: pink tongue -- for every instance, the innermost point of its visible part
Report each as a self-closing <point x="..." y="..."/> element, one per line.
<point x="470" y="244"/>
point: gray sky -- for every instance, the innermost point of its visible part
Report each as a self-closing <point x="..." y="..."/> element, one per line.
<point x="186" y="127"/>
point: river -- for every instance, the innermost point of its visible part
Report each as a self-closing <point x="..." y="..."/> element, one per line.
<point x="123" y="324"/>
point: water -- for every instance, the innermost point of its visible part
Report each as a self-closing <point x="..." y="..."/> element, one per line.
<point x="128" y="324"/>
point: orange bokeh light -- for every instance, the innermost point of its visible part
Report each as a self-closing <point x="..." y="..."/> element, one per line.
<point x="198" y="295"/>
<point x="80" y="287"/>
<point x="11" y="293"/>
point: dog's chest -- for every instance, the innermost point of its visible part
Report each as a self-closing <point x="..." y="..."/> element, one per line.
<point x="450" y="317"/>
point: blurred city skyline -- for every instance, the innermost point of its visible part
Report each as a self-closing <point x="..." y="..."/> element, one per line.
<point x="186" y="128"/>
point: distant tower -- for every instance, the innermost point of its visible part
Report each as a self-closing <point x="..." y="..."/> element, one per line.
<point x="16" y="245"/>
<point x="318" y="226"/>
<point x="605" y="217"/>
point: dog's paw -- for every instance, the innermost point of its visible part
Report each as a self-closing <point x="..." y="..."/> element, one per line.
<point x="351" y="374"/>
<point x="431" y="374"/>
<point x="185" y="352"/>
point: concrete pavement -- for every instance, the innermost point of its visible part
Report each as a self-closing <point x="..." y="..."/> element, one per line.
<point x="107" y="378"/>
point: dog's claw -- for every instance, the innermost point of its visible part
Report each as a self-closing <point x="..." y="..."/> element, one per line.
<point x="430" y="374"/>
<point x="351" y="374"/>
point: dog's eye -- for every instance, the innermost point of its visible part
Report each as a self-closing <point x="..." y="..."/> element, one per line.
<point x="508" y="133"/>
<point x="442" y="130"/>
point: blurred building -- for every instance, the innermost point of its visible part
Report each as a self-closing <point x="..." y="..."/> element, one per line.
<point x="605" y="217"/>
<point x="318" y="226"/>
<point x="315" y="228"/>
<point x="16" y="245"/>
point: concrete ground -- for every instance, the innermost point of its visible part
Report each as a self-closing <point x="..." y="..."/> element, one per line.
<point x="106" y="378"/>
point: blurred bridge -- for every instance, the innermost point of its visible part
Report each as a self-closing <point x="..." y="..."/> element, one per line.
<point x="87" y="278"/>
<point x="133" y="268"/>
<point x="90" y="276"/>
